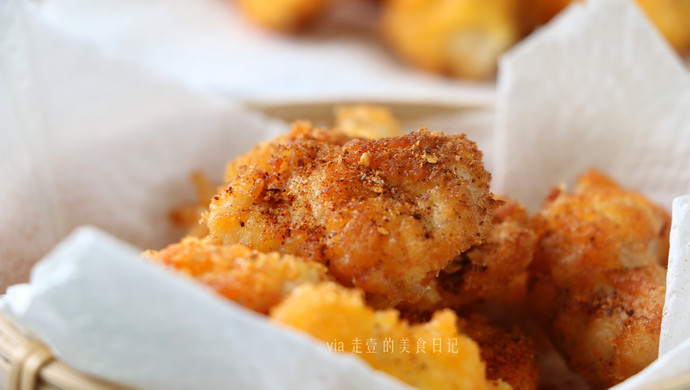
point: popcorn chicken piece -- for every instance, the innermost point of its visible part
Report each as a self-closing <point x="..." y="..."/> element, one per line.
<point x="334" y="314"/>
<point x="598" y="277"/>
<point x="378" y="213"/>
<point x="255" y="280"/>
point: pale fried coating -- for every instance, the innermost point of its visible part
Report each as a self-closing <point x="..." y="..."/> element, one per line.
<point x="366" y="121"/>
<point x="383" y="215"/>
<point x="671" y="17"/>
<point x="255" y="280"/>
<point x="462" y="38"/>
<point x="333" y="314"/>
<point x="509" y="355"/>
<point x="282" y="15"/>
<point x="494" y="268"/>
<point x="598" y="278"/>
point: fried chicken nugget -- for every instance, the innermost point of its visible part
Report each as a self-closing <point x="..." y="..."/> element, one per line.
<point x="335" y="315"/>
<point x="461" y="38"/>
<point x="383" y="215"/>
<point x="494" y="268"/>
<point x="598" y="277"/>
<point x="255" y="280"/>
<point x="282" y="15"/>
<point x="489" y="269"/>
<point x="509" y="355"/>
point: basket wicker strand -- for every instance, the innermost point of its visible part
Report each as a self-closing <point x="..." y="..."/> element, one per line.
<point x="26" y="364"/>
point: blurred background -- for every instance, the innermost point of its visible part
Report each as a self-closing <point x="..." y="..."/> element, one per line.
<point x="281" y="51"/>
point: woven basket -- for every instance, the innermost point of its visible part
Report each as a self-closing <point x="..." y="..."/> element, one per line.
<point x="27" y="364"/>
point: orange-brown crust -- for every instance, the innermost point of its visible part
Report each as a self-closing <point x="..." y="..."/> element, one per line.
<point x="255" y="280"/>
<point x="383" y="215"/>
<point x="509" y="355"/>
<point x="598" y="277"/>
<point x="488" y="270"/>
<point x="301" y="132"/>
<point x="492" y="269"/>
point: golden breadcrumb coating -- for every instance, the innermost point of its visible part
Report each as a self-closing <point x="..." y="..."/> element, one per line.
<point x="261" y="155"/>
<point x="598" y="277"/>
<point x="509" y="355"/>
<point x="671" y="17"/>
<point x="333" y="314"/>
<point x="462" y="38"/>
<point x="282" y="15"/>
<point x="354" y="121"/>
<point x="383" y="215"/>
<point x="365" y="121"/>
<point x="255" y="280"/>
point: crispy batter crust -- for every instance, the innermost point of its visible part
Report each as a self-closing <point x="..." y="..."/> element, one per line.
<point x="383" y="215"/>
<point x="332" y="313"/>
<point x="491" y="269"/>
<point x="255" y="280"/>
<point x="509" y="355"/>
<point x="301" y="132"/>
<point x="598" y="277"/>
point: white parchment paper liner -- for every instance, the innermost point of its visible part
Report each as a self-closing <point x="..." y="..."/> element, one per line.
<point x="110" y="314"/>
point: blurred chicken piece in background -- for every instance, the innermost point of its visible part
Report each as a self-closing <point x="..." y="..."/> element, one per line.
<point x="365" y="121"/>
<point x="282" y="15"/>
<point x="460" y="38"/>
